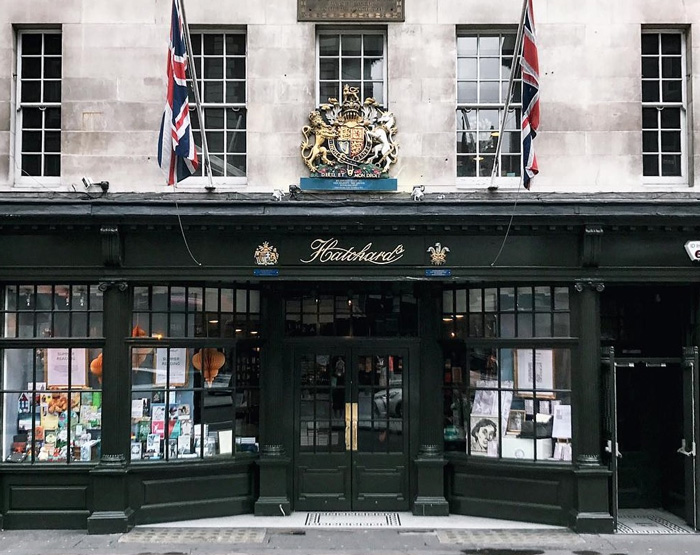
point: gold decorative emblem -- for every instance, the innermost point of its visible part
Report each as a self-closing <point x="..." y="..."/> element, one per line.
<point x="266" y="255"/>
<point x="351" y="139"/>
<point x="438" y="254"/>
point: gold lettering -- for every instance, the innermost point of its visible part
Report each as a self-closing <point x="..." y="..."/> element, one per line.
<point x="327" y="250"/>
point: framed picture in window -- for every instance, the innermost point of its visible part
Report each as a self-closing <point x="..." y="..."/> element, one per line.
<point x="515" y="421"/>
<point x="58" y="365"/>
<point x="483" y="435"/>
<point x="534" y="373"/>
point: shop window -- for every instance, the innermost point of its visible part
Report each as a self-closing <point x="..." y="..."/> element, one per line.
<point x="484" y="62"/>
<point x="195" y="373"/>
<point x="353" y="59"/>
<point x="220" y="62"/>
<point x="664" y="107"/>
<point x="39" y="70"/>
<point x="507" y="401"/>
<point x="506" y="312"/>
<point x="373" y="314"/>
<point x="51" y="398"/>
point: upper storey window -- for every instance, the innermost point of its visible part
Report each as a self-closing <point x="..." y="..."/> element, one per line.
<point x="38" y="147"/>
<point x="220" y="62"/>
<point x="484" y="62"/>
<point x="356" y="59"/>
<point x="664" y="146"/>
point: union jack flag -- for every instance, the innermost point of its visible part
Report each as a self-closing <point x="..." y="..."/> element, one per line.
<point x="177" y="155"/>
<point x="531" y="96"/>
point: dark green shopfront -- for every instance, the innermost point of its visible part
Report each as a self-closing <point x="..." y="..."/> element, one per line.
<point x="346" y="354"/>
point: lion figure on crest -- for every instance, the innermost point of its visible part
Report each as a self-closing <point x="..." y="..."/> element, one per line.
<point x="311" y="151"/>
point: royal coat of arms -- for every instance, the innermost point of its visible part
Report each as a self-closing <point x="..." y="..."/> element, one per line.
<point x="351" y="139"/>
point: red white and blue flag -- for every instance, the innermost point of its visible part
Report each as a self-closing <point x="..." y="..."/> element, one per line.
<point x="177" y="155"/>
<point x="531" y="96"/>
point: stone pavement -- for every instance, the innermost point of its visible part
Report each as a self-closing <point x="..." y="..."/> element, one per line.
<point x="297" y="541"/>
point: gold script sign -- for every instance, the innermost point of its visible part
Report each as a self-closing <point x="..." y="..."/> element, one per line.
<point x="353" y="10"/>
<point x="328" y="251"/>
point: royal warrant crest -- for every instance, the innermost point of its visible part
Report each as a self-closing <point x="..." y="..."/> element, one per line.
<point x="266" y="255"/>
<point x="349" y="139"/>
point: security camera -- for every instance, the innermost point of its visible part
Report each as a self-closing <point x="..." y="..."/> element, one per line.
<point x="87" y="182"/>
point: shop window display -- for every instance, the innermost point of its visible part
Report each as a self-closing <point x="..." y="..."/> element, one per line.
<point x="51" y="401"/>
<point x="197" y="398"/>
<point x="509" y="402"/>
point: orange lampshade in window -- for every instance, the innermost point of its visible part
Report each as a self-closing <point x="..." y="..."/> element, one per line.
<point x="139" y="354"/>
<point x="209" y="362"/>
<point x="96" y="367"/>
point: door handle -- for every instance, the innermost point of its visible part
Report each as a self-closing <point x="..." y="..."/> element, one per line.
<point x="355" y="411"/>
<point x="609" y="449"/>
<point x="348" y="426"/>
<point x="682" y="450"/>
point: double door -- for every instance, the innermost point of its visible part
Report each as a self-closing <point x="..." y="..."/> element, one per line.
<point x="351" y="426"/>
<point x="651" y="431"/>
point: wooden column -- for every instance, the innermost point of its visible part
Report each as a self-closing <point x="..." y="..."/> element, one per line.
<point x="110" y="511"/>
<point x="430" y="497"/>
<point x="275" y="412"/>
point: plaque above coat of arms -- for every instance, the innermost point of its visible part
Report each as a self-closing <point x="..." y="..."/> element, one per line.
<point x="351" y="139"/>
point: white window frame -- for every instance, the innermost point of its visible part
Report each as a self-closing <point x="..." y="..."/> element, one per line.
<point x="516" y="104"/>
<point x="20" y="179"/>
<point x="683" y="105"/>
<point x="362" y="32"/>
<point x="199" y="181"/>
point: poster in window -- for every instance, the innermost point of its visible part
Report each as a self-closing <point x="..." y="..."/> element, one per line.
<point x="534" y="373"/>
<point x="57" y="367"/>
<point x="178" y="366"/>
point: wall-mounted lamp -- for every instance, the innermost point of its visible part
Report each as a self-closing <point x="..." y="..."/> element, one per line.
<point x="294" y="192"/>
<point x="418" y="192"/>
<point x="104" y="185"/>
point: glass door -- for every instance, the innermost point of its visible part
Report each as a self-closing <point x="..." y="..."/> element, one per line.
<point x="351" y="449"/>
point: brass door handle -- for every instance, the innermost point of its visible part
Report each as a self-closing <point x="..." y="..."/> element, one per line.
<point x="355" y="411"/>
<point x="348" y="426"/>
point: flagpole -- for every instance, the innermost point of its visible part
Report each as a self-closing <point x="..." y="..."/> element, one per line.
<point x="197" y="102"/>
<point x="517" y="53"/>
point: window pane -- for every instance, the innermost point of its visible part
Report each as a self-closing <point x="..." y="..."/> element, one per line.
<point x="329" y="45"/>
<point x="31" y="91"/>
<point x="213" y="91"/>
<point x="489" y="68"/>
<point x="31" y="141"/>
<point x="650" y="117"/>
<point x="671" y="67"/>
<point x="489" y="45"/>
<point x="374" y="45"/>
<point x="31" y="165"/>
<point x="52" y="141"/>
<point x="489" y="92"/>
<point x="650" y="141"/>
<point x="328" y="90"/>
<point x="374" y="69"/>
<point x="235" y="91"/>
<point x="466" y="68"/>
<point x="670" y="43"/>
<point x="213" y="44"/>
<point x="52" y="67"/>
<point x="329" y="68"/>
<point x="31" y="68"/>
<point x="52" y="91"/>
<point x="650" y="91"/>
<point x="235" y="44"/>
<point x="466" y="92"/>
<point x="670" y="141"/>
<point x="235" y="68"/>
<point x="650" y="68"/>
<point x="213" y="68"/>
<point x="374" y="90"/>
<point x="650" y="44"/>
<point x="351" y="45"/>
<point x="214" y="118"/>
<point x="670" y="165"/>
<point x="466" y="46"/>
<point x="651" y="165"/>
<point x="486" y="166"/>
<point x="350" y="69"/>
<point x="52" y="43"/>
<point x="672" y="91"/>
<point x="671" y="118"/>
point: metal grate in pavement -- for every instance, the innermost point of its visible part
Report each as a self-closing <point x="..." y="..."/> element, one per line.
<point x="353" y="520"/>
<point x="194" y="535"/>
<point x="539" y="538"/>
